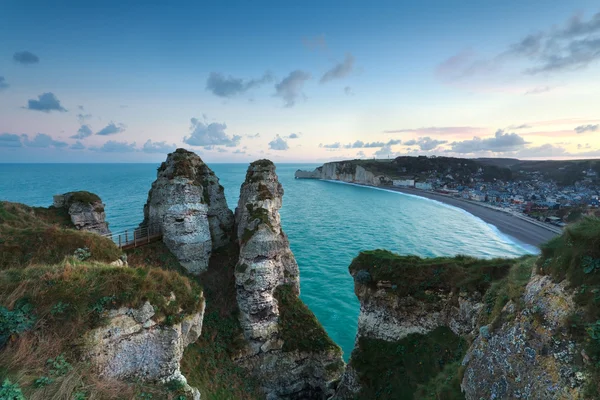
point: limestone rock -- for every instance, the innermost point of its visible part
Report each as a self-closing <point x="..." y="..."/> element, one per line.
<point x="391" y="318"/>
<point x="188" y="204"/>
<point x="133" y="346"/>
<point x="345" y="171"/>
<point x="266" y="263"/>
<point x="85" y="209"/>
<point x="531" y="355"/>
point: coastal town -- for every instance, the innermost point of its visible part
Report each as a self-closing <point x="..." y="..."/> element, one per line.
<point x="531" y="193"/>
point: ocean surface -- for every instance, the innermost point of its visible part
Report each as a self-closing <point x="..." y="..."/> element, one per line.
<point x="327" y="223"/>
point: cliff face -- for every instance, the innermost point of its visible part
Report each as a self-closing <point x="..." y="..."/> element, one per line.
<point x="133" y="345"/>
<point x="531" y="355"/>
<point x="414" y="317"/>
<point x="346" y="171"/>
<point x="545" y="344"/>
<point x="526" y="328"/>
<point x="85" y="209"/>
<point x="287" y="348"/>
<point x="188" y="204"/>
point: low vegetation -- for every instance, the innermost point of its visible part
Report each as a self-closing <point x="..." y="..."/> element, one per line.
<point x="33" y="235"/>
<point x="208" y="363"/>
<point x="82" y="197"/>
<point x="45" y="309"/>
<point x="299" y="327"/>
<point x="413" y="275"/>
<point x="575" y="256"/>
<point x="416" y="367"/>
<point x="509" y="288"/>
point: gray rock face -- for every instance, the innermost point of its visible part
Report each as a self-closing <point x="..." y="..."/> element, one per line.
<point x="132" y="345"/>
<point x="265" y="263"/>
<point x="345" y="172"/>
<point x="531" y="355"/>
<point x="387" y="316"/>
<point x="188" y="204"/>
<point x="391" y="318"/>
<point x="85" y="209"/>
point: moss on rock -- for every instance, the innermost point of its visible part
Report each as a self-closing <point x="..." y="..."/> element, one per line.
<point x="299" y="328"/>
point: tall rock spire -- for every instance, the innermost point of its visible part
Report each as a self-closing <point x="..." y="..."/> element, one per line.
<point x="288" y="350"/>
<point x="188" y="204"/>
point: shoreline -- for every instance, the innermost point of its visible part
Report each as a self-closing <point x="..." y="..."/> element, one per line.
<point x="521" y="228"/>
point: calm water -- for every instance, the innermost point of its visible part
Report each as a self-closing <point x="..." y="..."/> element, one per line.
<point x="327" y="223"/>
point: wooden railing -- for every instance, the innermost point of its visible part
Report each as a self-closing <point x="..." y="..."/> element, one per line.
<point x="136" y="237"/>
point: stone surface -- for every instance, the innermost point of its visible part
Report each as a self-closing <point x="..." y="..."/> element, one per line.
<point x="386" y="316"/>
<point x="86" y="216"/>
<point x="188" y="204"/>
<point x="266" y="262"/>
<point x="133" y="346"/>
<point x="345" y="172"/>
<point x="531" y="354"/>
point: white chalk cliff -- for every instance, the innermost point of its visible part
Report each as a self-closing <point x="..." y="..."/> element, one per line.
<point x="187" y="203"/>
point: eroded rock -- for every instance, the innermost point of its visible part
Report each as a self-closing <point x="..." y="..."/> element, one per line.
<point x="134" y="345"/>
<point x="265" y="265"/>
<point x="188" y="205"/>
<point x="85" y="209"/>
<point x="531" y="355"/>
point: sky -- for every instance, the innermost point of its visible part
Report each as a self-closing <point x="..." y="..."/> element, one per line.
<point x="130" y="81"/>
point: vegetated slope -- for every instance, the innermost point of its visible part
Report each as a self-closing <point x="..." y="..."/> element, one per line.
<point x="50" y="298"/>
<point x="31" y="235"/>
<point x="208" y="363"/>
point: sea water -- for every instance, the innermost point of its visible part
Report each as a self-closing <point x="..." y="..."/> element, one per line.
<point x="327" y="223"/>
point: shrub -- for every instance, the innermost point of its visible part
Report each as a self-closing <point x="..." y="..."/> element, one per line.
<point x="42" y="381"/>
<point x="17" y="321"/>
<point x="10" y="391"/>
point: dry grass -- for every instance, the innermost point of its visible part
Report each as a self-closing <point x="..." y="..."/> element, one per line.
<point x="67" y="300"/>
<point x="41" y="235"/>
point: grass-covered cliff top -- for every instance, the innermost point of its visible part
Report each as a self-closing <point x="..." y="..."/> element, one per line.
<point x="82" y="196"/>
<point x="33" y="235"/>
<point x="412" y="275"/>
<point x="45" y="310"/>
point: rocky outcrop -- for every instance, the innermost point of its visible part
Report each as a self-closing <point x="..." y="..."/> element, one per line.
<point x="406" y="302"/>
<point x="267" y="294"/>
<point x="345" y="171"/>
<point x="85" y="209"/>
<point x="188" y="205"/>
<point x="133" y="344"/>
<point x="531" y="355"/>
<point x="388" y="317"/>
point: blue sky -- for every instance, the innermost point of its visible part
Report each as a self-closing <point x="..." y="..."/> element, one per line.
<point x="237" y="81"/>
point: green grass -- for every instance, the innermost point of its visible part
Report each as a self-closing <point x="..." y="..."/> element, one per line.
<point x="575" y="256"/>
<point x="413" y="275"/>
<point x="299" y="328"/>
<point x="31" y="236"/>
<point x="507" y="289"/>
<point x="425" y="364"/>
<point x="68" y="299"/>
<point x="208" y="363"/>
<point x="82" y="197"/>
<point x="84" y="288"/>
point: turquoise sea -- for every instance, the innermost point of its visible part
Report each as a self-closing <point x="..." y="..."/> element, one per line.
<point x="327" y="223"/>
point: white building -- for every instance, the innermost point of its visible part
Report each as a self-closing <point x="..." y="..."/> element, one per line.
<point x="423" y="185"/>
<point x="403" y="182"/>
